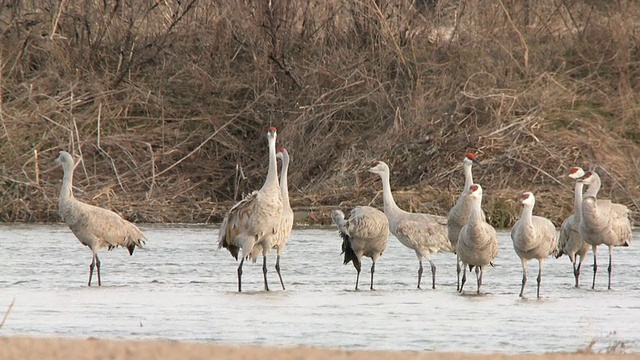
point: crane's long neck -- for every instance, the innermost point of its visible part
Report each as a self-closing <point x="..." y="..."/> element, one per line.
<point x="594" y="186"/>
<point x="468" y="176"/>
<point x="272" y="174"/>
<point x="66" y="191"/>
<point x="527" y="214"/>
<point x="387" y="196"/>
<point x="475" y="215"/>
<point x="284" y="184"/>
<point x="577" y="198"/>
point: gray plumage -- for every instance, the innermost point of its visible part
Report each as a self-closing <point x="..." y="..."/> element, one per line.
<point x="602" y="222"/>
<point x="534" y="237"/>
<point x="569" y="240"/>
<point x="286" y="222"/>
<point x="94" y="227"/>
<point x="478" y="241"/>
<point x="459" y="213"/>
<point x="255" y="219"/>
<point x="365" y="233"/>
<point x="423" y="233"/>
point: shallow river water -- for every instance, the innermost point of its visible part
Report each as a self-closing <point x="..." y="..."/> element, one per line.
<point x="182" y="288"/>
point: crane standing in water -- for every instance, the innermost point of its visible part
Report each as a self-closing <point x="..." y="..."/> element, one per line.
<point x="255" y="219"/>
<point x="94" y="227"/>
<point x="423" y="233"/>
<point x="365" y="233"/>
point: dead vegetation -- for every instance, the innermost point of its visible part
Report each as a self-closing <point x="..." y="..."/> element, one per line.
<point x="168" y="102"/>
<point x="6" y="314"/>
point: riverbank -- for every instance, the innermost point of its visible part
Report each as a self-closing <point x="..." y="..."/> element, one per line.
<point x="56" y="348"/>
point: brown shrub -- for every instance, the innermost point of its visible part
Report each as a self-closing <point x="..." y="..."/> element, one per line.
<point x="168" y="103"/>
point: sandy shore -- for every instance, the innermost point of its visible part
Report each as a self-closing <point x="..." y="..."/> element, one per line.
<point x="47" y="348"/>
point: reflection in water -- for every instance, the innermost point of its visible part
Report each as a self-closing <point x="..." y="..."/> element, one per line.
<point x="182" y="288"/>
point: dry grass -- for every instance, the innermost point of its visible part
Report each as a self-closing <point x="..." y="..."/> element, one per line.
<point x="6" y="314"/>
<point x="168" y="103"/>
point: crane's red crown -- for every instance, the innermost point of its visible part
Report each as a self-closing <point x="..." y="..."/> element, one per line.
<point x="587" y="175"/>
<point x="525" y="196"/>
<point x="375" y="163"/>
<point x="272" y="129"/>
<point x="281" y="150"/>
<point x="474" y="187"/>
<point x="470" y="156"/>
<point x="574" y="170"/>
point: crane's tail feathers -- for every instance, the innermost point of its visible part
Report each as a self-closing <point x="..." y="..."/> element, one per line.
<point x="347" y="250"/>
<point x="133" y="238"/>
<point x="134" y="242"/>
<point x="234" y="250"/>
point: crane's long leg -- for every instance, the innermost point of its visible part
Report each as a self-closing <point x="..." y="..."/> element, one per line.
<point x="464" y="276"/>
<point x="458" y="272"/>
<point x="479" y="276"/>
<point x="524" y="275"/>
<point x="98" y="268"/>
<point x="609" y="269"/>
<point x="358" y="266"/>
<point x="595" y="265"/>
<point x="574" y="260"/>
<point x="264" y="272"/>
<point x="240" y="274"/>
<point x="539" y="276"/>
<point x="419" y="273"/>
<point x="433" y="273"/>
<point x="373" y="269"/>
<point x="93" y="263"/>
<point x="278" y="271"/>
<point x="577" y="271"/>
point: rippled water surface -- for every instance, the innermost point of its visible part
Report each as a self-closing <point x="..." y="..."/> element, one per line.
<point x="182" y="288"/>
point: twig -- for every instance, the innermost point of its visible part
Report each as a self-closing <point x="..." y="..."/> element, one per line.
<point x="4" y="126"/>
<point x="99" y="115"/>
<point x="624" y="188"/>
<point x="522" y="41"/>
<point x="385" y="24"/>
<point x="239" y="176"/>
<point x="35" y="157"/>
<point x="75" y="128"/>
<point x="6" y="314"/>
<point x="153" y="171"/>
<point x="56" y="19"/>
<point x="539" y="169"/>
<point x="210" y="136"/>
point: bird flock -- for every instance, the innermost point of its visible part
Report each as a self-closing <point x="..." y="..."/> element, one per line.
<point x="263" y="221"/>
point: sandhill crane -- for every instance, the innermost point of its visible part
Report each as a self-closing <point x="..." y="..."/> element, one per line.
<point x="286" y="224"/>
<point x="365" y="233"/>
<point x="569" y="240"/>
<point x="534" y="237"/>
<point x="255" y="219"/>
<point x="423" y="233"/>
<point x="602" y="222"/>
<point x="94" y="227"/>
<point x="478" y="241"/>
<point x="459" y="213"/>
